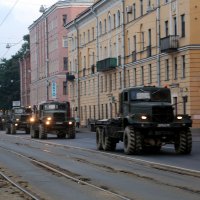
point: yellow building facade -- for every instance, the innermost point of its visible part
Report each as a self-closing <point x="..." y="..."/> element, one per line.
<point x="126" y="43"/>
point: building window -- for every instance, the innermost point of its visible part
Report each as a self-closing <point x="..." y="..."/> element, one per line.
<point x="120" y="80"/>
<point x="109" y="23"/>
<point x="167" y="70"/>
<point x="182" y="25"/>
<point x="175" y="26"/>
<point x="142" y="75"/>
<point x="175" y="102"/>
<point x="65" y="88"/>
<point x="64" y="19"/>
<point x="85" y="88"/>
<point x="142" y="41"/>
<point x="105" y="89"/>
<point x="166" y="28"/>
<point x="183" y="66"/>
<point x="134" y="11"/>
<point x="110" y="83"/>
<point x="65" y="63"/>
<point x="150" y="74"/>
<point x="105" y="26"/>
<point x="135" y="76"/>
<point x="101" y="83"/>
<point x="102" y="114"/>
<point x="84" y="40"/>
<point x="92" y="33"/>
<point x="106" y="111"/>
<point x="175" y="69"/>
<point x="128" y="78"/>
<point x="141" y="7"/>
<point x="88" y="35"/>
<point x="65" y="42"/>
<point x="118" y="18"/>
<point x="114" y="21"/>
<point x="115" y="81"/>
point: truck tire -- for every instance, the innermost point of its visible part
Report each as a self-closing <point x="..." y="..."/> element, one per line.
<point x="42" y="133"/>
<point x="183" y="142"/>
<point x="108" y="143"/>
<point x="7" y="130"/>
<point x="12" y="129"/>
<point x="71" y="133"/>
<point x="27" y="130"/>
<point x="33" y="133"/>
<point x="98" y="139"/>
<point x="132" y="141"/>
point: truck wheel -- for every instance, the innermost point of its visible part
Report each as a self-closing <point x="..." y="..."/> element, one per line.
<point x="12" y="129"/>
<point x="42" y="133"/>
<point x="33" y="133"/>
<point x="7" y="130"/>
<point x="98" y="139"/>
<point x="132" y="141"/>
<point x="108" y="143"/>
<point x="71" y="134"/>
<point x="183" y="142"/>
<point x="27" y="130"/>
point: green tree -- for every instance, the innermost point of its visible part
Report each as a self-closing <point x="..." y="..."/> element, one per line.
<point x="10" y="77"/>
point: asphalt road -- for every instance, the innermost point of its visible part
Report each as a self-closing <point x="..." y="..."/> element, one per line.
<point x="134" y="177"/>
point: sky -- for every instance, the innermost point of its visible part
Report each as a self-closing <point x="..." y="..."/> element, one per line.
<point x="15" y="18"/>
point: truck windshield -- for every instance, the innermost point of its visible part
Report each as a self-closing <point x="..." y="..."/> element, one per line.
<point x="55" y="107"/>
<point x="19" y="111"/>
<point x="158" y="94"/>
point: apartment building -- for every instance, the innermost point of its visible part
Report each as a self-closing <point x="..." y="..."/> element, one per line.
<point x="25" y="79"/>
<point x="48" y="50"/>
<point x="119" y="44"/>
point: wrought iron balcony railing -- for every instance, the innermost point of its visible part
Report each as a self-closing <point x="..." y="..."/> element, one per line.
<point x="106" y="64"/>
<point x="169" y="43"/>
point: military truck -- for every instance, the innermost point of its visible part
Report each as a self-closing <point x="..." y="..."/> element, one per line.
<point x="17" y="119"/>
<point x="146" y="123"/>
<point x="52" y="118"/>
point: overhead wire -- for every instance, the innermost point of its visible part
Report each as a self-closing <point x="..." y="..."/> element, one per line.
<point x="9" y="12"/>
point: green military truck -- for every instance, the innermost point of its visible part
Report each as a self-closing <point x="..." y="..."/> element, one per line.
<point x="146" y="123"/>
<point x="52" y="118"/>
<point x="17" y="119"/>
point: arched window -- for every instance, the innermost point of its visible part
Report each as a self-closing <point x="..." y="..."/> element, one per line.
<point x="109" y="23"/>
<point x="118" y="18"/>
<point x="105" y="26"/>
<point x="100" y="28"/>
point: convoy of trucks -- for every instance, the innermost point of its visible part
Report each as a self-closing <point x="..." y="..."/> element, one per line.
<point x="146" y="122"/>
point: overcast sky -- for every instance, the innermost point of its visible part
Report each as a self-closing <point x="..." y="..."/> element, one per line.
<point x="15" y="18"/>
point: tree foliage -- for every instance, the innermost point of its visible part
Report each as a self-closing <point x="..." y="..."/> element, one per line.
<point x="10" y="77"/>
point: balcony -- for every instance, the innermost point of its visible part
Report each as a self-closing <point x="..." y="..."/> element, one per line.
<point x="169" y="44"/>
<point x="106" y="64"/>
<point x="70" y="77"/>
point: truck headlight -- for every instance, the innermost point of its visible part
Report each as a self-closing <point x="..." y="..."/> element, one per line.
<point x="49" y="118"/>
<point x="32" y="119"/>
<point x="47" y="122"/>
<point x="70" y="123"/>
<point x="143" y="117"/>
<point x="16" y="124"/>
<point x="179" y="117"/>
<point x="17" y="119"/>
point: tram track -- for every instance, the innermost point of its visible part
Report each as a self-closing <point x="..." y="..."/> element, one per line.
<point x="156" y="165"/>
<point x="59" y="172"/>
<point x="28" y="195"/>
<point x="56" y="170"/>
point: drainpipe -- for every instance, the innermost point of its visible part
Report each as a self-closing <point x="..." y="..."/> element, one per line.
<point x="158" y="41"/>
<point x="77" y="80"/>
<point x="97" y="59"/>
<point x="47" y="58"/>
<point x="123" y="45"/>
